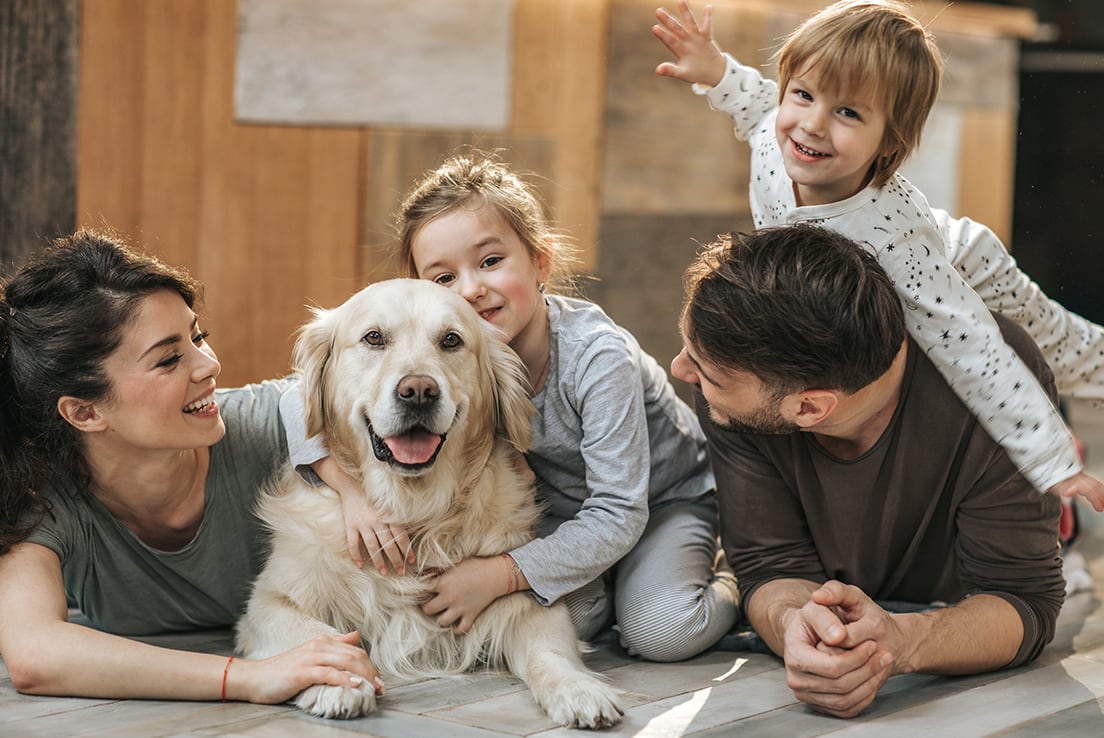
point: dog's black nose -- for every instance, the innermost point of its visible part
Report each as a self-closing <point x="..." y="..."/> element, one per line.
<point x="418" y="390"/>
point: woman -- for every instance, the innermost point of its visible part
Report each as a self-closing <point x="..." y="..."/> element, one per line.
<point x="127" y="482"/>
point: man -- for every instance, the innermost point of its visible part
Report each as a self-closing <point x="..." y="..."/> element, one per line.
<point x="849" y="474"/>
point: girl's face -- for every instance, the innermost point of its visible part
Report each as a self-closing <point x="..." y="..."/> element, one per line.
<point x="829" y="141"/>
<point x="163" y="379"/>
<point x="475" y="252"/>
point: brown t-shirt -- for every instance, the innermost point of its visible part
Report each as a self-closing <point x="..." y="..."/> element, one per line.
<point x="935" y="511"/>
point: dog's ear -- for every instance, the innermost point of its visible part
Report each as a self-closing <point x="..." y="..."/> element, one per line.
<point x="313" y="349"/>
<point x="513" y="408"/>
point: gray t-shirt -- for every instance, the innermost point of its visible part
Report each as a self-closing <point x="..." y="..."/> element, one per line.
<point x="129" y="588"/>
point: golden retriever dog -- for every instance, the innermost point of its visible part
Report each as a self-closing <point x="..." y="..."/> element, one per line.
<point x="420" y="402"/>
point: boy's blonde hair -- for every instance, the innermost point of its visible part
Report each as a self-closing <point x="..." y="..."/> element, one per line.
<point x="475" y="178"/>
<point x="873" y="46"/>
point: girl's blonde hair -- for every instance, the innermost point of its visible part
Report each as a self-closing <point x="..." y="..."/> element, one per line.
<point x="877" y="47"/>
<point x="474" y="178"/>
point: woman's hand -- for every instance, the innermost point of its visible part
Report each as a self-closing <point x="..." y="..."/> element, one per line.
<point x="338" y="661"/>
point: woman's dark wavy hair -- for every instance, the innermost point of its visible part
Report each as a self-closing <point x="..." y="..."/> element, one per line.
<point x="800" y="307"/>
<point x="61" y="315"/>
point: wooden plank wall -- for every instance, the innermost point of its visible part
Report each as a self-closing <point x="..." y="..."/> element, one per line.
<point x="272" y="218"/>
<point x="38" y="122"/>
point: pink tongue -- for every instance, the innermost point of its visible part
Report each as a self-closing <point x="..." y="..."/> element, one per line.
<point x="413" y="448"/>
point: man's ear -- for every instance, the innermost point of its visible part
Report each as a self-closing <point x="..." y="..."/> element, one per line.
<point x="80" y="414"/>
<point x="811" y="407"/>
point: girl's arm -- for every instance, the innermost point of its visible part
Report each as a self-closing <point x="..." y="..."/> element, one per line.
<point x="45" y="654"/>
<point x="387" y="545"/>
<point x="956" y="331"/>
<point x="464" y="591"/>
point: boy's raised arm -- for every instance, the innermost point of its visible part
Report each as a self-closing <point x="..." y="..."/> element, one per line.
<point x="698" y="59"/>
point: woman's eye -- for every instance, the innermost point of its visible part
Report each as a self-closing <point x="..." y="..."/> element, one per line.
<point x="169" y="361"/>
<point x="201" y="337"/>
<point x="373" y="338"/>
<point x="452" y="340"/>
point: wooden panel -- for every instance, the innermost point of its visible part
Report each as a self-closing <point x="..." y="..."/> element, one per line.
<point x="667" y="152"/>
<point x="110" y="137"/>
<point x="986" y="168"/>
<point x="393" y="160"/>
<point x="435" y="63"/>
<point x="266" y="217"/>
<point x="38" y="118"/>
<point x="560" y="59"/>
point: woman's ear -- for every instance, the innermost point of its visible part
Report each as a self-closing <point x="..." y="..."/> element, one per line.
<point x="80" y="414"/>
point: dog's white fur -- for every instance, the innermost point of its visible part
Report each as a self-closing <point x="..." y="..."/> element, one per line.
<point x="397" y="353"/>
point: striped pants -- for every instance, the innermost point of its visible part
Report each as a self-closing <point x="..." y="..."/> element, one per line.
<point x="667" y="602"/>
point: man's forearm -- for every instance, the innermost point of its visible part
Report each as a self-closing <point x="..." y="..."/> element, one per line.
<point x="981" y="633"/>
<point x="771" y="604"/>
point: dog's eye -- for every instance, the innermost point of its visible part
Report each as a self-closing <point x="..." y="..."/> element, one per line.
<point x="373" y="338"/>
<point x="452" y="340"/>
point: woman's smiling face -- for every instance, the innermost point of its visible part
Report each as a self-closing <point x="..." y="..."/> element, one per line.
<point x="163" y="380"/>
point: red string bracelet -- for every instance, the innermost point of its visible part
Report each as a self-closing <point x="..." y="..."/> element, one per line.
<point x="224" y="670"/>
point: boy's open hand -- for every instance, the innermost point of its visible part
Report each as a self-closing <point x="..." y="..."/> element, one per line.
<point x="1085" y="485"/>
<point x="698" y="60"/>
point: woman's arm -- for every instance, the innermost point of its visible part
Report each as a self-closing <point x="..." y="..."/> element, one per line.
<point x="45" y="654"/>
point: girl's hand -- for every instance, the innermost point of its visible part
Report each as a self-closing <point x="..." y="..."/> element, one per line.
<point x="465" y="590"/>
<point x="338" y="661"/>
<point x="698" y="60"/>
<point x="388" y="546"/>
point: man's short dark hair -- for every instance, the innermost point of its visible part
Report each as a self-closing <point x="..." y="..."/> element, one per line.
<point x="800" y="307"/>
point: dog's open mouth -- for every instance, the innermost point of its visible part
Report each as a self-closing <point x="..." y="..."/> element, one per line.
<point x="415" y="449"/>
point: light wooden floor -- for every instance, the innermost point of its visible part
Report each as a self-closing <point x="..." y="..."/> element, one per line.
<point x="717" y="694"/>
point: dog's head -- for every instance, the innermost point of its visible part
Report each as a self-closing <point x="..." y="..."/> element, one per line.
<point x="404" y="371"/>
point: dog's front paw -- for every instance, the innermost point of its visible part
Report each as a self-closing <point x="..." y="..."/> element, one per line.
<point x="337" y="702"/>
<point x="585" y="702"/>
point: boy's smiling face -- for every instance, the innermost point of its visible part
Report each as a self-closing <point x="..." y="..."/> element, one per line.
<point x="829" y="138"/>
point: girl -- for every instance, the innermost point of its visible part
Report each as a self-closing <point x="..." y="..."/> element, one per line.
<point x="629" y="532"/>
<point x="127" y="482"/>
